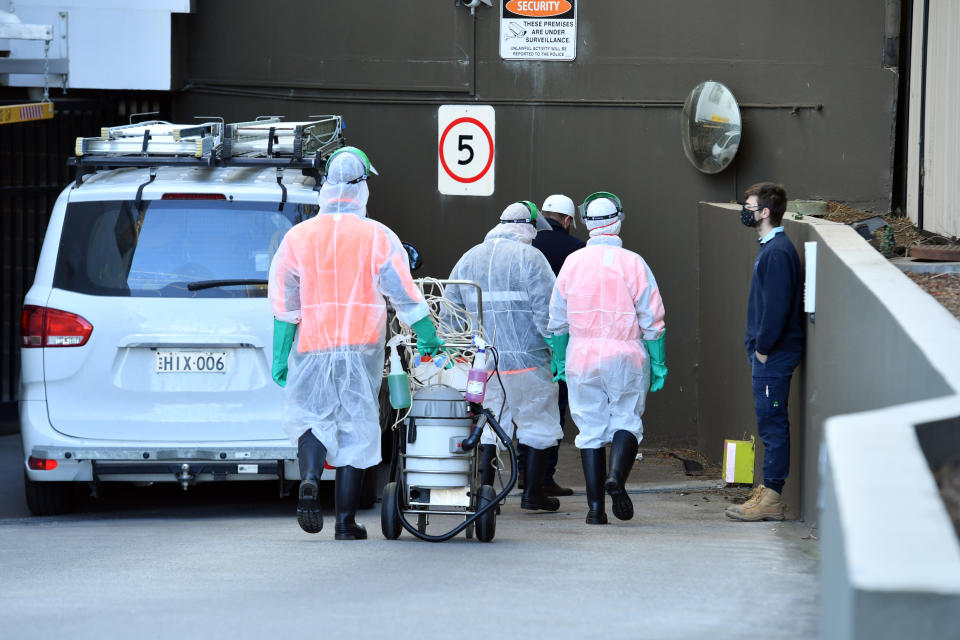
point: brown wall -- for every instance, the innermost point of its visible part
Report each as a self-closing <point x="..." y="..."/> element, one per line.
<point x="610" y="120"/>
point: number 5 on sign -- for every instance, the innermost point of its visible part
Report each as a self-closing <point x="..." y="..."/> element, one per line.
<point x="465" y="152"/>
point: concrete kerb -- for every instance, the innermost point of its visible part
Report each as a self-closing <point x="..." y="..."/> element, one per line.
<point x="925" y="266"/>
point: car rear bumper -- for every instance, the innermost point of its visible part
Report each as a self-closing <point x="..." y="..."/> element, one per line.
<point x="81" y="460"/>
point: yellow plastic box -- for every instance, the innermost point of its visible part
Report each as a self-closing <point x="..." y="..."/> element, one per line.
<point x="738" y="456"/>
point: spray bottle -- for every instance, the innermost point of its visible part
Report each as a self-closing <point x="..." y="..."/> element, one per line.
<point x="397" y="380"/>
<point x="477" y="378"/>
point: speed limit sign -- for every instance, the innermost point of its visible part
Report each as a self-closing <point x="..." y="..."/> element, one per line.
<point x="465" y="152"/>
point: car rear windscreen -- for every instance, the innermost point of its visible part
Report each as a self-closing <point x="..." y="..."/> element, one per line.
<point x="112" y="248"/>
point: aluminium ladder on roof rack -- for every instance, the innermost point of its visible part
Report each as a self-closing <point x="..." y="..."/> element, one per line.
<point x="270" y="138"/>
<point x="153" y="138"/>
<point x="177" y="131"/>
<point x="265" y="142"/>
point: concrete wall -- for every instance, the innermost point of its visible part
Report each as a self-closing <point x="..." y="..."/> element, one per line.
<point x="862" y="351"/>
<point x="133" y="35"/>
<point x="890" y="561"/>
<point x="878" y="345"/>
<point x="610" y="120"/>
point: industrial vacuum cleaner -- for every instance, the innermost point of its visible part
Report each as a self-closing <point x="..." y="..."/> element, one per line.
<point x="435" y="469"/>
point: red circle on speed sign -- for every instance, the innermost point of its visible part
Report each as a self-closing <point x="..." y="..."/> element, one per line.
<point x="443" y="161"/>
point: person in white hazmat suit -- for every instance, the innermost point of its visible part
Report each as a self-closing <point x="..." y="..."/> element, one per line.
<point x="607" y="321"/>
<point x="516" y="282"/>
<point x="326" y="288"/>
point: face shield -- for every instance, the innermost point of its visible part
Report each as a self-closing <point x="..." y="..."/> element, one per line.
<point x="602" y="212"/>
<point x="339" y="169"/>
<point x="525" y="212"/>
<point x="344" y="188"/>
<point x="599" y="212"/>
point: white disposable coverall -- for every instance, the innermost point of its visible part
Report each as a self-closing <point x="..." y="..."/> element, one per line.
<point x="516" y="281"/>
<point x="330" y="275"/>
<point x="607" y="299"/>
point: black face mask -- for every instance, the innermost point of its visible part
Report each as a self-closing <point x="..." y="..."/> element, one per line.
<point x="746" y="217"/>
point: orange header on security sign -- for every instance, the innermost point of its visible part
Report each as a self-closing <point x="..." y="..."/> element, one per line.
<point x="538" y="8"/>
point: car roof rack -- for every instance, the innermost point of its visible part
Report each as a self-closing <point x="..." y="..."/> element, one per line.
<point x="268" y="141"/>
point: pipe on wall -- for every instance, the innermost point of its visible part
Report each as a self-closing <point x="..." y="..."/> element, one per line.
<point x="226" y="90"/>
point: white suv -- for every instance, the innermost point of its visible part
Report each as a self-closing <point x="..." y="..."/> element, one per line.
<point x="147" y="335"/>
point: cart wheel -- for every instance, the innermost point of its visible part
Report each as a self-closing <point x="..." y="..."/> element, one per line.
<point x="389" y="520"/>
<point x="487" y="523"/>
<point x="422" y="523"/>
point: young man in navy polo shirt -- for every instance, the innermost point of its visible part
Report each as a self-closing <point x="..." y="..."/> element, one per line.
<point x="774" y="340"/>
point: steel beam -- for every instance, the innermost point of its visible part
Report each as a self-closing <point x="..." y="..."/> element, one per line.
<point x="36" y="66"/>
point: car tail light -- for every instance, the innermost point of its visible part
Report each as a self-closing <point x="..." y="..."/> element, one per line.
<point x="41" y="464"/>
<point x="31" y="326"/>
<point x="193" y="196"/>
<point x="43" y="327"/>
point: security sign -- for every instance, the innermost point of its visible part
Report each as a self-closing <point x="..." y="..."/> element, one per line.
<point x="538" y="30"/>
<point x="465" y="164"/>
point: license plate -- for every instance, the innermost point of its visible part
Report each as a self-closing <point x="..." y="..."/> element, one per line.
<point x="191" y="362"/>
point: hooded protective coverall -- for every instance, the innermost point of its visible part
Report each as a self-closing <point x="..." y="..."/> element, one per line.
<point x="607" y="299"/>
<point x="607" y="304"/>
<point x="516" y="281"/>
<point x="330" y="275"/>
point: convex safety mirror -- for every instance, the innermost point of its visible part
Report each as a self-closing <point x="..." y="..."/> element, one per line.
<point x="710" y="127"/>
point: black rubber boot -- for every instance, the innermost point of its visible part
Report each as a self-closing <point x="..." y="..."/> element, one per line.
<point x="311" y="455"/>
<point x="488" y="453"/>
<point x="595" y="472"/>
<point x="550" y="486"/>
<point x="623" y="451"/>
<point x="521" y="466"/>
<point x="346" y="493"/>
<point x="533" y="496"/>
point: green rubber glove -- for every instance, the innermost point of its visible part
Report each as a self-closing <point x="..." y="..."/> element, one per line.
<point x="427" y="341"/>
<point x="658" y="362"/>
<point x="558" y="361"/>
<point x="283" y="333"/>
<point x="553" y="368"/>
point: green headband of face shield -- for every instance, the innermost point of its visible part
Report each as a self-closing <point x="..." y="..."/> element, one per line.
<point x="539" y="222"/>
<point x="367" y="167"/>
<point x="596" y="196"/>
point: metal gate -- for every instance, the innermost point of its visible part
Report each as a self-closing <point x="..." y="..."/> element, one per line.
<point x="32" y="172"/>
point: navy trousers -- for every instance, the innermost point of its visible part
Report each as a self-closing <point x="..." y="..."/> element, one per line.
<point x="771" y="388"/>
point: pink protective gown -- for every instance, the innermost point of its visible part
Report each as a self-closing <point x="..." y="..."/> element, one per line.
<point x="330" y="276"/>
<point x="607" y="299"/>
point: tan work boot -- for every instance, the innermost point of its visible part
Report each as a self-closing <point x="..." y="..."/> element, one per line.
<point x="750" y="501"/>
<point x="767" y="506"/>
